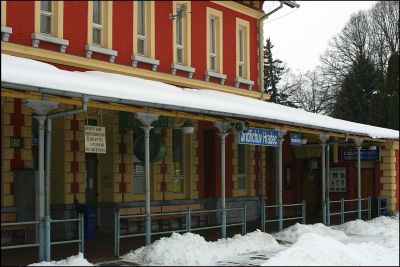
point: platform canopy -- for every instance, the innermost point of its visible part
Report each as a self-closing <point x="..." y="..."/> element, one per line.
<point x="27" y="74"/>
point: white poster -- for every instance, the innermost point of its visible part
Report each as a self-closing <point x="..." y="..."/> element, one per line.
<point x="95" y="139"/>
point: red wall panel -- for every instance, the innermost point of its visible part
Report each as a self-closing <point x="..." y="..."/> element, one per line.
<point x="20" y="17"/>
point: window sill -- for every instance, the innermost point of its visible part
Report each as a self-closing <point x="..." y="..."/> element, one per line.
<point x="101" y="50"/>
<point x="5" y="33"/>
<point x="239" y="80"/>
<point x="221" y="76"/>
<point x="37" y="37"/>
<point x="189" y="70"/>
<point x="139" y="58"/>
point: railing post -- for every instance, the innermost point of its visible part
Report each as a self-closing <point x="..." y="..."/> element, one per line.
<point x="369" y="208"/>
<point x="41" y="241"/>
<point x="244" y="219"/>
<point x="116" y="234"/>
<point x="188" y="220"/>
<point x="280" y="217"/>
<point x="303" y="212"/>
<point x="223" y="225"/>
<point x="82" y="233"/>
<point x="47" y="238"/>
<point x="342" y="210"/>
<point x="328" y="212"/>
<point x="262" y="214"/>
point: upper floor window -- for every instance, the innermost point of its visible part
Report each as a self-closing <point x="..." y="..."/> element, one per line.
<point x="179" y="35"/>
<point x="214" y="40"/>
<point x="242" y="46"/>
<point x="141" y="27"/>
<point x="97" y="23"/>
<point x="213" y="43"/>
<point x="46" y="14"/>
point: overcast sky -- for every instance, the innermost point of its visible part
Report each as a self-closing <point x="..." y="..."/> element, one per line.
<point x="300" y="35"/>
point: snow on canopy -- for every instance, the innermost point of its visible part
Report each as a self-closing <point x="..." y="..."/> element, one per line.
<point x="30" y="72"/>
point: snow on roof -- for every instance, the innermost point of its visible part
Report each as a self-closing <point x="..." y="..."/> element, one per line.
<point x="30" y="72"/>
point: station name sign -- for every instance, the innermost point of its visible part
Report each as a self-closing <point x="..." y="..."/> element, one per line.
<point x="260" y="137"/>
<point x="95" y="139"/>
<point x="365" y="154"/>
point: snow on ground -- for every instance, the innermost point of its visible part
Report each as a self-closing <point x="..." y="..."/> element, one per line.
<point x="365" y="243"/>
<point x="76" y="260"/>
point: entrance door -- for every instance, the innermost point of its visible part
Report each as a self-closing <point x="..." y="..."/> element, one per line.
<point x="209" y="162"/>
<point x="312" y="190"/>
<point x="91" y="182"/>
<point x="367" y="183"/>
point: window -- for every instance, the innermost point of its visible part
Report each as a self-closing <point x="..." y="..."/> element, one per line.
<point x="179" y="35"/>
<point x="139" y="176"/>
<point x="141" y="28"/>
<point x="177" y="161"/>
<point x="241" y="166"/>
<point x="213" y="43"/>
<point x="97" y="22"/>
<point x="242" y="49"/>
<point x="214" y="40"/>
<point x="46" y="15"/>
<point x="337" y="179"/>
<point x="241" y="53"/>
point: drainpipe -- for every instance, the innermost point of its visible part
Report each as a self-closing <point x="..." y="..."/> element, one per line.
<point x="260" y="41"/>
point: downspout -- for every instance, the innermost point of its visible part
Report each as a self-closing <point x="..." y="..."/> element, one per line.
<point x="260" y="48"/>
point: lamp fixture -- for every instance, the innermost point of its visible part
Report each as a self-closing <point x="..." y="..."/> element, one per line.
<point x="179" y="13"/>
<point x="188" y="127"/>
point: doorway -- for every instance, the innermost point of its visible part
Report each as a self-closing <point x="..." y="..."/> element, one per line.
<point x="91" y="183"/>
<point x="209" y="162"/>
<point x="311" y="184"/>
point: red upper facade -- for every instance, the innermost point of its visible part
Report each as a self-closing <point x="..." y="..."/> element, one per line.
<point x="77" y="26"/>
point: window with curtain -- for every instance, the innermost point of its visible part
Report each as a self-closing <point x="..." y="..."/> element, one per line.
<point x="179" y="34"/>
<point x="241" y="52"/>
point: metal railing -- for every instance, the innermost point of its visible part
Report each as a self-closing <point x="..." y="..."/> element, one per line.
<point x="188" y="223"/>
<point x="281" y="217"/>
<point x="80" y="239"/>
<point x="342" y="211"/>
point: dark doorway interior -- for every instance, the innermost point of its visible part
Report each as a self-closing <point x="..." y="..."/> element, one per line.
<point x="311" y="177"/>
<point x="91" y="182"/>
<point x="209" y="163"/>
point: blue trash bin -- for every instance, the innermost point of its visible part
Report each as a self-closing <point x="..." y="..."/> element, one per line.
<point x="384" y="206"/>
<point x="89" y="220"/>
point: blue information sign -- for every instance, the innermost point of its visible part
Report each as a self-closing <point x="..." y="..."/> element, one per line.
<point x="261" y="137"/>
<point x="295" y="139"/>
<point x="350" y="154"/>
<point x="35" y="139"/>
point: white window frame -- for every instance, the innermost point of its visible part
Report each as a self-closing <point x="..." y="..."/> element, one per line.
<point x="97" y="26"/>
<point x="141" y="13"/>
<point x="47" y="14"/>
<point x="337" y="179"/>
<point x="213" y="43"/>
<point x="139" y="174"/>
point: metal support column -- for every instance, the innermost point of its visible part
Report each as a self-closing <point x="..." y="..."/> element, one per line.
<point x="323" y="139"/>
<point x="223" y="128"/>
<point x="280" y="203"/>
<point x="147" y="119"/>
<point x="358" y="143"/>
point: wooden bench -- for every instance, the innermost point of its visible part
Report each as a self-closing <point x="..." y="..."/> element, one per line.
<point x="182" y="217"/>
<point x="136" y="211"/>
<point x="162" y="218"/>
<point x="12" y="217"/>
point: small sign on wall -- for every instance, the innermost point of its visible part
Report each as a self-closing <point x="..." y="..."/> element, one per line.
<point x="95" y="139"/>
<point x="15" y="142"/>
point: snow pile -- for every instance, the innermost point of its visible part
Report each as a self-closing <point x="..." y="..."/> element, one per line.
<point x="292" y="233"/>
<point x="76" y="260"/>
<point x="314" y="249"/>
<point x="193" y="249"/>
